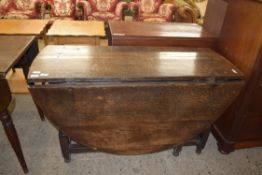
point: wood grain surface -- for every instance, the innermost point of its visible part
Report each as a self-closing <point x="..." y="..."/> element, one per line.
<point x="241" y="43"/>
<point x="76" y="28"/>
<point x="134" y="118"/>
<point x="92" y="63"/>
<point x="22" y="27"/>
<point x="132" y="100"/>
<point x="131" y="33"/>
<point x="12" y="49"/>
<point x="215" y="15"/>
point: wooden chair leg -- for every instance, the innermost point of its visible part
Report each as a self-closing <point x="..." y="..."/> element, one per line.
<point x="65" y="143"/>
<point x="13" y="139"/>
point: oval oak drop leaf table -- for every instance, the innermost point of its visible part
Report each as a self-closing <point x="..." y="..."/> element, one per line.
<point x="131" y="100"/>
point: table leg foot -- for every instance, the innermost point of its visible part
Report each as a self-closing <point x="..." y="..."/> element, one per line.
<point x="65" y="143"/>
<point x="177" y="150"/>
<point x="13" y="139"/>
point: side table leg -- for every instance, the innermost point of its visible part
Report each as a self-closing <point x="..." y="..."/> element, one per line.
<point x="204" y="136"/>
<point x="176" y="150"/>
<point x="65" y="143"/>
<point x="13" y="138"/>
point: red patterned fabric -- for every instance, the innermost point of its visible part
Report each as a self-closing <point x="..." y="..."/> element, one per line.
<point x="103" y="10"/>
<point x="24" y="4"/>
<point x="5" y="5"/>
<point x="19" y="14"/>
<point x="63" y="8"/>
<point x="103" y="5"/>
<point x="152" y="11"/>
<point x="20" y="9"/>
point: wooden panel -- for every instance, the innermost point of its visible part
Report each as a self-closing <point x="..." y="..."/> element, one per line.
<point x="155" y="34"/>
<point x="241" y="36"/>
<point x="241" y="43"/>
<point x="133" y="118"/>
<point x="251" y="128"/>
<point x="76" y="28"/>
<point x="163" y="41"/>
<point x="256" y="106"/>
<point x="11" y="50"/>
<point x="215" y="14"/>
<point x="90" y="63"/>
<point x="22" y="27"/>
<point x="74" y="40"/>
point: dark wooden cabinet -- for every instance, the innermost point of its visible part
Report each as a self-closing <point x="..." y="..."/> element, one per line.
<point x="240" y="42"/>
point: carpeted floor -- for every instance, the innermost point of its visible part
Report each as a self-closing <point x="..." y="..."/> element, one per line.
<point x="42" y="153"/>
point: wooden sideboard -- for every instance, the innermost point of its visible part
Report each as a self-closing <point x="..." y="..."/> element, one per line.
<point x="240" y="42"/>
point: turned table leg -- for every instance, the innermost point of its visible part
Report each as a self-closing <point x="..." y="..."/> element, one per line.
<point x="13" y="138"/>
<point x="65" y="143"/>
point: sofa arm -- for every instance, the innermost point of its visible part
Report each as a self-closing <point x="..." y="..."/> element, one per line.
<point x="133" y="7"/>
<point x="2" y="14"/>
<point x="120" y="7"/>
<point x="185" y="14"/>
<point x="167" y="10"/>
<point x="85" y="7"/>
<point x="40" y="7"/>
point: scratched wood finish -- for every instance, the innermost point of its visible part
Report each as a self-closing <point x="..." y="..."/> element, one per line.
<point x="76" y="32"/>
<point x="122" y="103"/>
<point x="129" y="63"/>
<point x="22" y="27"/>
<point x="12" y="49"/>
<point x="76" y="28"/>
<point x="164" y="34"/>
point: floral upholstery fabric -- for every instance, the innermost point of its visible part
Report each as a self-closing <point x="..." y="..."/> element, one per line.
<point x="103" y="16"/>
<point x="20" y="9"/>
<point x="5" y="5"/>
<point x="152" y="11"/>
<point x="149" y="6"/>
<point x="103" y="10"/>
<point x="24" y="4"/>
<point x="63" y="8"/>
<point x="18" y="14"/>
<point x="103" y="5"/>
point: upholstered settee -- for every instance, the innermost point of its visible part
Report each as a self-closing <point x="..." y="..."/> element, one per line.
<point x="22" y="9"/>
<point x="190" y="10"/>
<point x="152" y="11"/>
<point x="63" y="9"/>
<point x="102" y="10"/>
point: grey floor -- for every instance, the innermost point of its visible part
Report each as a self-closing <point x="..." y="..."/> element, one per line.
<point x="42" y="153"/>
